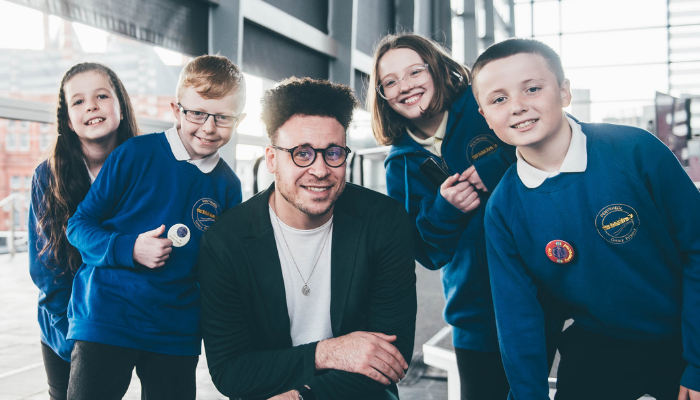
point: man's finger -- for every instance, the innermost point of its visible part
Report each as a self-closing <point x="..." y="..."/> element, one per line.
<point x="394" y="352"/>
<point x="375" y="375"/>
<point x="392" y="363"/>
<point x="388" y="338"/>
<point x="386" y="370"/>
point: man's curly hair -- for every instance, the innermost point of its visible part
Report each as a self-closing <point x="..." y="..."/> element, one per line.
<point x="306" y="96"/>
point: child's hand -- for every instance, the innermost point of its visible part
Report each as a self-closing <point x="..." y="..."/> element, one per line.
<point x="151" y="250"/>
<point x="473" y="177"/>
<point x="462" y="195"/>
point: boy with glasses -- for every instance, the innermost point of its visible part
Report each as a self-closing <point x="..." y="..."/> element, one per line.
<point x="135" y="300"/>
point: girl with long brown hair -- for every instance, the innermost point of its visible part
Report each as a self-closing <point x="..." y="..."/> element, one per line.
<point x="443" y="163"/>
<point x="93" y="117"/>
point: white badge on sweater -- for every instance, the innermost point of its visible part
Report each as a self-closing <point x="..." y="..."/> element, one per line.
<point x="179" y="234"/>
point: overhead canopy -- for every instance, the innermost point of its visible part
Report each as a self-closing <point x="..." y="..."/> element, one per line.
<point x="180" y="25"/>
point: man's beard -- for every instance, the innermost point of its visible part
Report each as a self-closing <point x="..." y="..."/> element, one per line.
<point x="303" y="207"/>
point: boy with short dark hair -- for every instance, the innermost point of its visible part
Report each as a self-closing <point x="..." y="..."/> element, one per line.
<point x="604" y="219"/>
<point x="135" y="301"/>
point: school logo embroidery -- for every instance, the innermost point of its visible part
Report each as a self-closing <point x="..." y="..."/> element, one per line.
<point x="204" y="213"/>
<point x="617" y="223"/>
<point x="481" y="146"/>
<point x="559" y="251"/>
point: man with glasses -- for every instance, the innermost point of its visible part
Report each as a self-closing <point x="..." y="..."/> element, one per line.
<point x="308" y="288"/>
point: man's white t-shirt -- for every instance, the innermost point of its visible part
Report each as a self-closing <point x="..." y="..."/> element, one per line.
<point x="309" y="315"/>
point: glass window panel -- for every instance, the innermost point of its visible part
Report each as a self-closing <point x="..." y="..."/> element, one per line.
<point x="523" y="20"/>
<point x="15" y="182"/>
<point x="246" y="156"/>
<point x="27" y="182"/>
<point x="688" y="18"/>
<point x="595" y="15"/>
<point x="635" y="113"/>
<point x="503" y="9"/>
<point x="458" y="39"/>
<point x="35" y="75"/>
<point x="638" y="82"/>
<point x="11" y="141"/>
<point x="615" y="48"/>
<point x="24" y="142"/>
<point x="546" y="18"/>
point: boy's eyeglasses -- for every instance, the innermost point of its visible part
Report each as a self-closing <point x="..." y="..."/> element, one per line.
<point x="303" y="156"/>
<point x="391" y="87"/>
<point x="199" y="117"/>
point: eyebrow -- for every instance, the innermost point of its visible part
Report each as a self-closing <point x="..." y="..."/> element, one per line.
<point x="410" y="66"/>
<point x="96" y="90"/>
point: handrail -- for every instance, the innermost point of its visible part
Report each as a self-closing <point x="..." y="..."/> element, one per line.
<point x="361" y="155"/>
<point x="10" y="204"/>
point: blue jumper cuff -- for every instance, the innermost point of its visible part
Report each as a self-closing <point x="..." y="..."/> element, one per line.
<point x="691" y="378"/>
<point x="124" y="250"/>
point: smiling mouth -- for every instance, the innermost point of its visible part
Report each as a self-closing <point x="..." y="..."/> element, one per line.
<point x="316" y="188"/>
<point x="207" y="141"/>
<point x="412" y="99"/>
<point x="524" y="123"/>
<point x="94" y="121"/>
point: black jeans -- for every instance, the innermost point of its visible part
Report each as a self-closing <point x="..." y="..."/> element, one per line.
<point x="481" y="375"/>
<point x="57" y="373"/>
<point x="595" y="366"/>
<point x="101" y="371"/>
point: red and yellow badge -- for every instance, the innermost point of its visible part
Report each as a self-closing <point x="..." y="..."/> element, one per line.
<point x="559" y="251"/>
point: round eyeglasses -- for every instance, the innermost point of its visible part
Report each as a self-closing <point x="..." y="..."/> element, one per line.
<point x="304" y="155"/>
<point x="391" y="87"/>
<point x="200" y="117"/>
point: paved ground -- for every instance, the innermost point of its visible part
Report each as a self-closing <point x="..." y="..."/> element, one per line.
<point x="22" y="375"/>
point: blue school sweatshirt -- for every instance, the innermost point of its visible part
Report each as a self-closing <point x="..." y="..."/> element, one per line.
<point x="631" y="219"/>
<point x="447" y="238"/>
<point x="117" y="301"/>
<point x="52" y="277"/>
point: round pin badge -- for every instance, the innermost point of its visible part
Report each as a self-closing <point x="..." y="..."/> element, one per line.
<point x="559" y="251"/>
<point x="179" y="234"/>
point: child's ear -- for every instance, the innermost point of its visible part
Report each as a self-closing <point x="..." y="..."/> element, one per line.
<point x="176" y="112"/>
<point x="565" y="93"/>
<point x="482" y="114"/>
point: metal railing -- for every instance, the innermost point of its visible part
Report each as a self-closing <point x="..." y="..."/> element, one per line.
<point x="15" y="238"/>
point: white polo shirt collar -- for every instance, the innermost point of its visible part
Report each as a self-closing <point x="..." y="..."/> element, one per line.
<point x="205" y="165"/>
<point x="576" y="159"/>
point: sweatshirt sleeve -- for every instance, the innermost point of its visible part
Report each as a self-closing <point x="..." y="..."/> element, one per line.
<point x="678" y="202"/>
<point x="416" y="193"/>
<point x="98" y="246"/>
<point x="519" y="317"/>
<point x="54" y="282"/>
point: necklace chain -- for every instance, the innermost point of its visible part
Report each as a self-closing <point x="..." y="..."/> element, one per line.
<point x="304" y="290"/>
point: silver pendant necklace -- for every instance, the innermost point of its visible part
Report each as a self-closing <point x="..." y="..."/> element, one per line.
<point x="305" y="289"/>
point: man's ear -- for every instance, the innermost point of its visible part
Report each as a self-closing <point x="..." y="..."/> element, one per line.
<point x="565" y="93"/>
<point x="270" y="160"/>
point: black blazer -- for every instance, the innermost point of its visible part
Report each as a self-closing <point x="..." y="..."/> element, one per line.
<point x="245" y="323"/>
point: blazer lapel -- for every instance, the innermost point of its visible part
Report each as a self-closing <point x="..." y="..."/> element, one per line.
<point x="346" y="238"/>
<point x="265" y="265"/>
